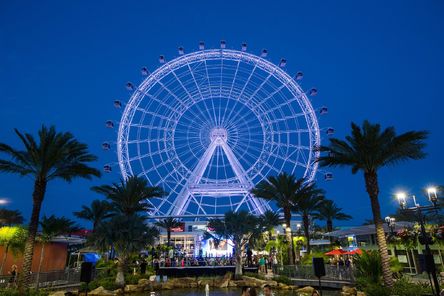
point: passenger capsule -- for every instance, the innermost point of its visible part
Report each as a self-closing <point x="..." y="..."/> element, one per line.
<point x="264" y="53"/>
<point x="223" y="44"/>
<point x="109" y="124"/>
<point x="144" y="71"/>
<point x="244" y="47"/>
<point x="106" y="146"/>
<point x="323" y="110"/>
<point x="117" y="104"/>
<point x="201" y="45"/>
<point x="283" y="63"/>
<point x="328" y="176"/>
<point x="181" y="50"/>
<point x="162" y="59"/>
<point x="313" y="92"/>
<point x="107" y="168"/>
<point x="330" y="131"/>
<point x="129" y="86"/>
<point x="299" y="75"/>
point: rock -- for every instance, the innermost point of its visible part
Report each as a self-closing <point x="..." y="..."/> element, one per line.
<point x="232" y="284"/>
<point x="359" y="293"/>
<point x="133" y="288"/>
<point x="58" y="293"/>
<point x="144" y="282"/>
<point x="223" y="283"/>
<point x="305" y="290"/>
<point x="101" y="291"/>
<point x="349" y="291"/>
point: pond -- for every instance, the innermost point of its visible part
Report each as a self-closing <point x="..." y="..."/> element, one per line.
<point x="221" y="292"/>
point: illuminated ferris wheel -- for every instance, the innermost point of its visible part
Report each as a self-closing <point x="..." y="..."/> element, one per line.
<point x="209" y="125"/>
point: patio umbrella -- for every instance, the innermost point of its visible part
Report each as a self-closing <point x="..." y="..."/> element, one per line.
<point x="335" y="252"/>
<point x="354" y="252"/>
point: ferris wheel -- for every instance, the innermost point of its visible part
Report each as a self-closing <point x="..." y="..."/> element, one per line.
<point x="209" y="125"/>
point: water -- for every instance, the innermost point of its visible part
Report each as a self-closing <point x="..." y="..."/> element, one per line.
<point x="220" y="292"/>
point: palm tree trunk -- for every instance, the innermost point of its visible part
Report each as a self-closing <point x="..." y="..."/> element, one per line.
<point x="287" y="218"/>
<point x="238" y="256"/>
<point x="120" y="277"/>
<point x="330" y="229"/>
<point x="40" y="264"/>
<point x="37" y="196"/>
<point x="168" y="237"/>
<point x="4" y="259"/>
<point x="306" y="222"/>
<point x="372" y="187"/>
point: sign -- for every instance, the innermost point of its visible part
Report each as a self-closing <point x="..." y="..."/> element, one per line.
<point x="180" y="228"/>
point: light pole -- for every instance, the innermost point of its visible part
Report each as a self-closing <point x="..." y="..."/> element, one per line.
<point x="424" y="239"/>
<point x="391" y="222"/>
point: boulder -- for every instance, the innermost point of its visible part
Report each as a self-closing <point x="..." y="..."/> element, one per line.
<point x="58" y="293"/>
<point x="133" y="288"/>
<point x="359" y="293"/>
<point x="305" y="290"/>
<point x="101" y="291"/>
<point x="223" y="283"/>
<point x="349" y="291"/>
<point x="144" y="282"/>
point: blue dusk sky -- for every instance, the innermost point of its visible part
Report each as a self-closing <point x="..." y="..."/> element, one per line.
<point x="64" y="62"/>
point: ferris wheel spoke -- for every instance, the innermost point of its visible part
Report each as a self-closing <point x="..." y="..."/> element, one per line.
<point x="236" y="102"/>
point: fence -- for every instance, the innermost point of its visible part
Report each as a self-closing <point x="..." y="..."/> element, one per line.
<point x="49" y="279"/>
<point x="306" y="272"/>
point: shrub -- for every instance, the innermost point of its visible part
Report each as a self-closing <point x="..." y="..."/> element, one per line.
<point x="30" y="292"/>
<point x="368" y="267"/>
<point x="283" y="279"/>
<point x="405" y="287"/>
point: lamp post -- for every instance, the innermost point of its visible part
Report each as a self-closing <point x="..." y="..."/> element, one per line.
<point x="391" y="222"/>
<point x="420" y="213"/>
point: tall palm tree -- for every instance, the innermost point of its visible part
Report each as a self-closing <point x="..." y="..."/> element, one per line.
<point x="52" y="156"/>
<point x="268" y="221"/>
<point x="51" y="227"/>
<point x="307" y="205"/>
<point x="329" y="211"/>
<point x="97" y="213"/>
<point x="369" y="149"/>
<point x="128" y="235"/>
<point x="129" y="197"/>
<point x="10" y="217"/>
<point x="168" y="224"/>
<point x="284" y="190"/>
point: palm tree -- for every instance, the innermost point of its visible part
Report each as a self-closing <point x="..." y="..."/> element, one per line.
<point x="168" y="224"/>
<point x="282" y="190"/>
<point x="52" y="227"/>
<point x="286" y="191"/>
<point x="329" y="211"/>
<point x="369" y="149"/>
<point x="237" y="227"/>
<point x="129" y="197"/>
<point x="308" y="204"/>
<point x="268" y="221"/>
<point x="55" y="156"/>
<point x="97" y="213"/>
<point x="10" y="217"/>
<point x="12" y="238"/>
<point x="128" y="235"/>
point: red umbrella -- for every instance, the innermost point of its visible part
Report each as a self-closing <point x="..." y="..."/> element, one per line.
<point x="335" y="252"/>
<point x="354" y="252"/>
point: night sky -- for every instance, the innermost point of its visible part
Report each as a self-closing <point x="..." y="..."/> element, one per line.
<point x="64" y="62"/>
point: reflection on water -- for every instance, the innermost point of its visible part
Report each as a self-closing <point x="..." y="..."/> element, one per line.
<point x="220" y="292"/>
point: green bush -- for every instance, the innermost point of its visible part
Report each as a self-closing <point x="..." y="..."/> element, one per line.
<point x="30" y="292"/>
<point x="308" y="258"/>
<point x="373" y="289"/>
<point x="283" y="279"/>
<point x="405" y="287"/>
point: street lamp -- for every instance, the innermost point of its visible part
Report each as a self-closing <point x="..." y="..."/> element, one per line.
<point x="420" y="212"/>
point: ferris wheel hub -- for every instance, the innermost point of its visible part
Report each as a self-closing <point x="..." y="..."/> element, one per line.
<point x="219" y="135"/>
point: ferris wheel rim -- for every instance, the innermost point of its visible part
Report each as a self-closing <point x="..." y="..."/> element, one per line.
<point x="218" y="54"/>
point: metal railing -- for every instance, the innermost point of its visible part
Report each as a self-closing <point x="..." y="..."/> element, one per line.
<point x="306" y="272"/>
<point x="48" y="279"/>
